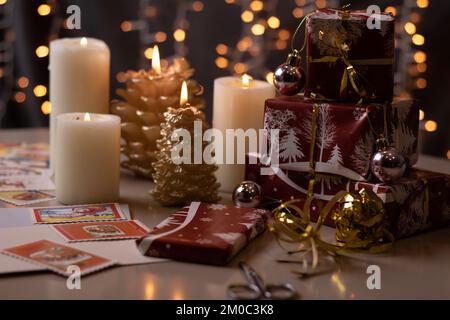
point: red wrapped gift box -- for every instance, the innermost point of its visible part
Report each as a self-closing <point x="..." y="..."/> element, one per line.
<point x="417" y="203"/>
<point x="370" y="51"/>
<point x="204" y="233"/>
<point x="345" y="140"/>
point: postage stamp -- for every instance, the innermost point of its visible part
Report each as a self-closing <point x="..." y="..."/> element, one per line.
<point x="57" y="257"/>
<point x="80" y="213"/>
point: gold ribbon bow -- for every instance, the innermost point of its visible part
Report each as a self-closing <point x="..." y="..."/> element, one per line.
<point x="360" y="224"/>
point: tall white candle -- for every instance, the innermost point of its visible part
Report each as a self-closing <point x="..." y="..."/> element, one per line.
<point x="87" y="158"/>
<point x="238" y="104"/>
<point x="79" y="79"/>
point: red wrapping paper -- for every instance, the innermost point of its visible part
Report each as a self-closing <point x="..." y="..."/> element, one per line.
<point x="204" y="233"/>
<point x="345" y="141"/>
<point x="371" y="53"/>
<point x="405" y="202"/>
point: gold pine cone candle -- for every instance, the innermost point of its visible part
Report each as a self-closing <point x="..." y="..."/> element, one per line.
<point x="146" y="97"/>
<point x="179" y="184"/>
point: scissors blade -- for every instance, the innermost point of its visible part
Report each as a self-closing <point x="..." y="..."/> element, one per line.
<point x="252" y="277"/>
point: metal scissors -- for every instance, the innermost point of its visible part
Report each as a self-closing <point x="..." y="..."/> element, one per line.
<point x="256" y="289"/>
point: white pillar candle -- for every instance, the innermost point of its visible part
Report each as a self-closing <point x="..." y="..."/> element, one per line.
<point x="87" y="168"/>
<point x="238" y="104"/>
<point x="79" y="79"/>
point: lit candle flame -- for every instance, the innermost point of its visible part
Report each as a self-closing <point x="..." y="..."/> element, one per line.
<point x="84" y="42"/>
<point x="87" y="117"/>
<point x="156" y="62"/>
<point x="184" y="94"/>
<point x="246" y="81"/>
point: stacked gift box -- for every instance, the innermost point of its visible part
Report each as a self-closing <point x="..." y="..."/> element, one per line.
<point x="348" y="105"/>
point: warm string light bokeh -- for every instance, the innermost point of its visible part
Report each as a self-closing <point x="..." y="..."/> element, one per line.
<point x="262" y="32"/>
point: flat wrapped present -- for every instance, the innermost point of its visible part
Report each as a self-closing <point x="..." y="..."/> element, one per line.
<point x="339" y="40"/>
<point x="204" y="233"/>
<point x="418" y="202"/>
<point x="346" y="133"/>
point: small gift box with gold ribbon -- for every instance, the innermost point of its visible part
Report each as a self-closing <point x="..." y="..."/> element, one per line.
<point x="350" y="55"/>
<point x="418" y="202"/>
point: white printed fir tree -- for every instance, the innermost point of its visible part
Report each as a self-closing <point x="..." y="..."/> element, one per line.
<point x="336" y="156"/>
<point x="290" y="148"/>
<point x="179" y="184"/>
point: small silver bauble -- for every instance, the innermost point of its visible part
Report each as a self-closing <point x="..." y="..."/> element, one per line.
<point x="388" y="165"/>
<point x="248" y="194"/>
<point x="289" y="78"/>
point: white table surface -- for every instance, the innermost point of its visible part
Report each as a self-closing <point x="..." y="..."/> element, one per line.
<point x="416" y="268"/>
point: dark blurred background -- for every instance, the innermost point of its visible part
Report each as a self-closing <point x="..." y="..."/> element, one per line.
<point x="219" y="38"/>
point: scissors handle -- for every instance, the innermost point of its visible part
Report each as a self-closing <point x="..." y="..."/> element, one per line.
<point x="280" y="292"/>
<point x="244" y="292"/>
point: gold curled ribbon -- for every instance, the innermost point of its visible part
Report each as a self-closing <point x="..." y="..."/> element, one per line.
<point x="360" y="223"/>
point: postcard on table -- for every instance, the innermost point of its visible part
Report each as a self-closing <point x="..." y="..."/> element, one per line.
<point x="107" y="230"/>
<point x="58" y="258"/>
<point x="24" y="198"/>
<point x="26" y="183"/>
<point x="81" y="213"/>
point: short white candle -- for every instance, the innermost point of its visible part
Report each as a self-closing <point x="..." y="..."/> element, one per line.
<point x="79" y="79"/>
<point x="238" y="104"/>
<point x="87" y="158"/>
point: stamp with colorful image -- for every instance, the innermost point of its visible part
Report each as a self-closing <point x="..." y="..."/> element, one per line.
<point x="95" y="231"/>
<point x="58" y="257"/>
<point x="23" y="198"/>
<point x="81" y="213"/>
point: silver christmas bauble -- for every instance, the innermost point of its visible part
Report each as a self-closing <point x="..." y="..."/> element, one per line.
<point x="388" y="165"/>
<point x="289" y="78"/>
<point x="247" y="194"/>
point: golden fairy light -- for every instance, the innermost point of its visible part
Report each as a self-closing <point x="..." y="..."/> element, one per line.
<point x="431" y="126"/>
<point x="148" y="53"/>
<point x="126" y="26"/>
<point x="297" y="13"/>
<point x="240" y="68"/>
<point x="410" y="28"/>
<point x="273" y="22"/>
<point x="256" y="5"/>
<point x="197" y="6"/>
<point x="221" y="49"/>
<point x="87" y="117"/>
<point x="160" y="36"/>
<point x="269" y="77"/>
<point x="42" y="51"/>
<point x="40" y="91"/>
<point x="421" y="115"/>
<point x="221" y="62"/>
<point x="44" y="10"/>
<point x="20" y="97"/>
<point x="258" y="29"/>
<point x="420" y="57"/>
<point x="391" y="10"/>
<point x="179" y="35"/>
<point x="418" y="39"/>
<point x="156" y="62"/>
<point x="247" y="16"/>
<point x="422" y="3"/>
<point x="46" y="107"/>
<point x="23" y="82"/>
